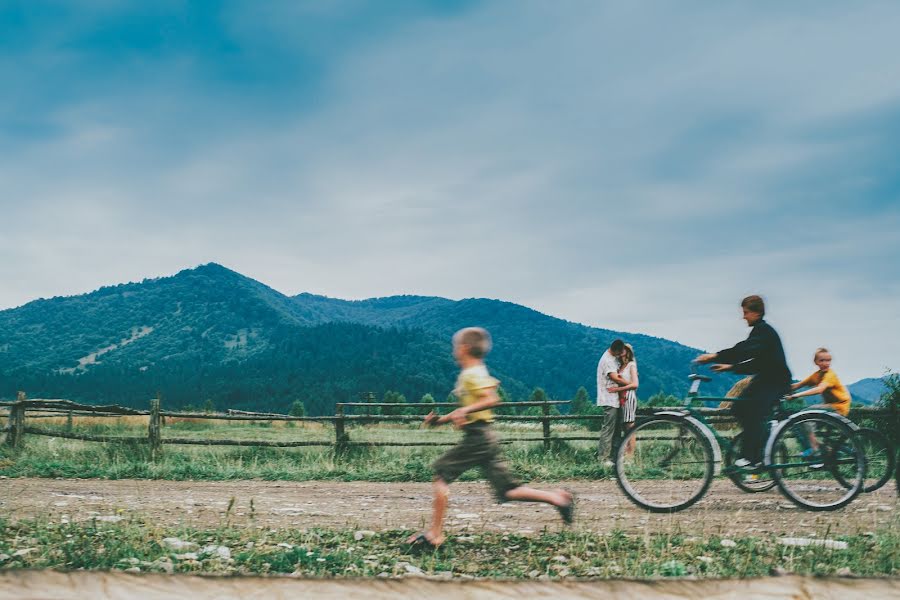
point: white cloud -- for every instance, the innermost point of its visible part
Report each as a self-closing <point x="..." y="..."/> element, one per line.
<point x="589" y="160"/>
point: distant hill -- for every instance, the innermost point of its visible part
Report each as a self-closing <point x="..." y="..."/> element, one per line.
<point x="867" y="391"/>
<point x="529" y="346"/>
<point x="212" y="334"/>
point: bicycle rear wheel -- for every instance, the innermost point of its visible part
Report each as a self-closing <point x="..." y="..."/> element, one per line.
<point x="814" y="479"/>
<point x="880" y="459"/>
<point x="665" y="464"/>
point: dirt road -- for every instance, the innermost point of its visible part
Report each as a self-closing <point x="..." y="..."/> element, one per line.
<point x="379" y="506"/>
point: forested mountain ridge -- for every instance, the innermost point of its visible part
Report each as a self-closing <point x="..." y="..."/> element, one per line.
<point x="868" y="391"/>
<point x="544" y="351"/>
<point x="210" y="334"/>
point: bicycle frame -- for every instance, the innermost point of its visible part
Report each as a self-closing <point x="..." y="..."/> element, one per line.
<point x="717" y="440"/>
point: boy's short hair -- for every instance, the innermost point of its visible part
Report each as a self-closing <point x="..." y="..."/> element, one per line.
<point x="754" y="304"/>
<point x="617" y="346"/>
<point x="476" y="339"/>
<point x="821" y="350"/>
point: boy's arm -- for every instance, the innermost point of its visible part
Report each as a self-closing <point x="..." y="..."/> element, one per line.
<point x="810" y="392"/>
<point x="801" y="384"/>
<point x="824" y="385"/>
<point x="487" y="398"/>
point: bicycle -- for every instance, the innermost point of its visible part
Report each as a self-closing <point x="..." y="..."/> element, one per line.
<point x="668" y="460"/>
<point x="881" y="459"/>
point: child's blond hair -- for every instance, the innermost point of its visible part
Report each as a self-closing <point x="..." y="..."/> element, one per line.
<point x="476" y="339"/>
<point x="820" y="350"/>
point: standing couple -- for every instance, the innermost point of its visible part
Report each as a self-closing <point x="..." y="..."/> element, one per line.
<point x="617" y="380"/>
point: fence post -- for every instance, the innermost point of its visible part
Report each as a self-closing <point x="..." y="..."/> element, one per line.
<point x="154" y="430"/>
<point x="16" y="422"/>
<point x="545" y="421"/>
<point x="340" y="438"/>
<point x="69" y="422"/>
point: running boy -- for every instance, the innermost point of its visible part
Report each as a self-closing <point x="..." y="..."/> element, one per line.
<point x="477" y="394"/>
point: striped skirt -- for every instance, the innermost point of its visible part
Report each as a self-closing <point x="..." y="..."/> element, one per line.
<point x="629" y="408"/>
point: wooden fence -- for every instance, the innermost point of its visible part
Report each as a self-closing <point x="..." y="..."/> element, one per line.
<point x="40" y="408"/>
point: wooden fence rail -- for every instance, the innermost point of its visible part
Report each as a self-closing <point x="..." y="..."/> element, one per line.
<point x="42" y="408"/>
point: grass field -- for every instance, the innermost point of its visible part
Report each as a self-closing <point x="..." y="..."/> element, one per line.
<point x="140" y="546"/>
<point x="135" y="540"/>
<point x="44" y="456"/>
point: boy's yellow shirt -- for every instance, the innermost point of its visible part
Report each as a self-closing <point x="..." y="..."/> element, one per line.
<point x="835" y="393"/>
<point x="468" y="384"/>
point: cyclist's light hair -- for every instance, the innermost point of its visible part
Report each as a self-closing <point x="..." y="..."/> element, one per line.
<point x="821" y="350"/>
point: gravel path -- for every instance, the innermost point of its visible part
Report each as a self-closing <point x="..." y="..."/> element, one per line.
<point x="328" y="504"/>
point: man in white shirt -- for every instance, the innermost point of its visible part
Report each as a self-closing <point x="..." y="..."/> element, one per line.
<point x="608" y="400"/>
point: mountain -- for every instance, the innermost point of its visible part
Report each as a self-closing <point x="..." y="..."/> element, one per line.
<point x="868" y="391"/>
<point x="529" y="346"/>
<point x="210" y="334"/>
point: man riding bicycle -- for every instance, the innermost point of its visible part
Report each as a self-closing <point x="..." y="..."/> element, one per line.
<point x="762" y="356"/>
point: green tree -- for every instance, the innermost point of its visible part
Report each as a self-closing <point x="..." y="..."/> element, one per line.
<point x="539" y="395"/>
<point x="663" y="399"/>
<point x="208" y="406"/>
<point x="507" y="404"/>
<point x="370" y="398"/>
<point x="427" y="404"/>
<point x="394" y="398"/>
<point x="582" y="405"/>
<point x="298" y="409"/>
<point x="890" y="401"/>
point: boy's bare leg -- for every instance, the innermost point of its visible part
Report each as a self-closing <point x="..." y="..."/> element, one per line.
<point x="439" y="508"/>
<point x="435" y="533"/>
<point x="525" y="493"/>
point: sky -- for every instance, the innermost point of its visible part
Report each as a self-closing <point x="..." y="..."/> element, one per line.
<point x="636" y="165"/>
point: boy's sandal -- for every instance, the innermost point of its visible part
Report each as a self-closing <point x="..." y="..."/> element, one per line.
<point x="567" y="511"/>
<point x="421" y="543"/>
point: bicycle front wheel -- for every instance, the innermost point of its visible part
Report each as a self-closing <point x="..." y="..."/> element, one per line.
<point x="880" y="459"/>
<point x="665" y="464"/>
<point x="816" y="461"/>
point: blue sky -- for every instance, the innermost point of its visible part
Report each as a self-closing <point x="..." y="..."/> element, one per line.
<point x="639" y="166"/>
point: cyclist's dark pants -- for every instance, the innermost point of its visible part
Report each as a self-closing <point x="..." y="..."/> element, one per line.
<point x="752" y="411"/>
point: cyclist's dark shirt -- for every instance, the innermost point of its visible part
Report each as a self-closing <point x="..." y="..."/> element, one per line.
<point x="761" y="355"/>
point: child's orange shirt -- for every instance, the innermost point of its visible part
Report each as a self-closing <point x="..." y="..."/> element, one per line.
<point x="835" y="393"/>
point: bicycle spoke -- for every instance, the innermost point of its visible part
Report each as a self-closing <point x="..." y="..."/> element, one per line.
<point x="664" y="465"/>
<point x="818" y="464"/>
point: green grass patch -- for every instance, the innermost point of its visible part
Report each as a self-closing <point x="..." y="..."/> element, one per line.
<point x="137" y="545"/>
<point x="43" y="456"/>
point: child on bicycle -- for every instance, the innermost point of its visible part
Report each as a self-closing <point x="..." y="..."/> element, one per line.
<point x="824" y="382"/>
<point x="477" y="393"/>
<point x="762" y="356"/>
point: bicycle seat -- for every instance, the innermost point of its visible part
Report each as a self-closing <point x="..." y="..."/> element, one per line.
<point x="694" y="376"/>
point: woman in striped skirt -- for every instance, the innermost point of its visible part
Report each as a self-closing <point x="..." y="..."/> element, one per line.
<point x="628" y="384"/>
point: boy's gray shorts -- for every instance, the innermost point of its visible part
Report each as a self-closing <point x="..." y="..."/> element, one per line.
<point x="478" y="448"/>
